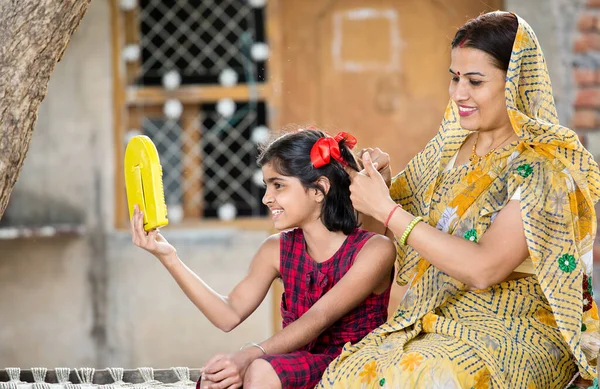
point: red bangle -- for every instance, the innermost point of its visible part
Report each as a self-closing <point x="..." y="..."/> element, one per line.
<point x="391" y="214"/>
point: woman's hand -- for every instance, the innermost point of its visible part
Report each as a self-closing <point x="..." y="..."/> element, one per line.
<point x="368" y="192"/>
<point x="381" y="160"/>
<point x="151" y="241"/>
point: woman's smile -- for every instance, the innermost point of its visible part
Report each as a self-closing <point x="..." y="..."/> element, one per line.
<point x="464" y="111"/>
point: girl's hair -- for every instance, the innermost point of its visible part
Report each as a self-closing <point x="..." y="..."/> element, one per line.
<point x="289" y="155"/>
<point x="493" y="33"/>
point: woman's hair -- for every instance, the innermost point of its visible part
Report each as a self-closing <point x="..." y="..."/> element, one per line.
<point x="289" y="155"/>
<point x="493" y="33"/>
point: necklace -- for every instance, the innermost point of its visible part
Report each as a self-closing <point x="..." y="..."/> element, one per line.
<point x="476" y="158"/>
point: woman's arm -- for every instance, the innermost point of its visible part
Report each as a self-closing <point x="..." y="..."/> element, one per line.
<point x="491" y="260"/>
<point x="225" y="312"/>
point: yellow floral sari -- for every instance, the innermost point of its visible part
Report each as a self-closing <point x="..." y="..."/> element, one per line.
<point x="533" y="332"/>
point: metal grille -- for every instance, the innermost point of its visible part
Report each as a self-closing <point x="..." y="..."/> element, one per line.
<point x="229" y="157"/>
<point x="168" y="137"/>
<point x="218" y="169"/>
<point x="208" y="157"/>
<point x="198" y="38"/>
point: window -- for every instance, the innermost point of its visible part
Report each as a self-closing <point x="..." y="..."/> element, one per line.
<point x="193" y="75"/>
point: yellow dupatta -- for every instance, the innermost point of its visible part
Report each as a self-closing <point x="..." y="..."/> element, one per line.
<point x="559" y="182"/>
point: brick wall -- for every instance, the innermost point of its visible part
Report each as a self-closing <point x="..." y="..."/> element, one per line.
<point x="586" y="75"/>
<point x="586" y="72"/>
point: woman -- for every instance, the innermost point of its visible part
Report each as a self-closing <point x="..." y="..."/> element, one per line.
<point x="494" y="224"/>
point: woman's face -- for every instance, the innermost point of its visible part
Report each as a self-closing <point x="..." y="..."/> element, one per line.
<point x="477" y="88"/>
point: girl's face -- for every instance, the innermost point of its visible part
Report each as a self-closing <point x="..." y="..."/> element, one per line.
<point x="477" y="88"/>
<point x="290" y="203"/>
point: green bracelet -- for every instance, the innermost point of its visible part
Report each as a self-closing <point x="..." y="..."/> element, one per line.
<point x="409" y="229"/>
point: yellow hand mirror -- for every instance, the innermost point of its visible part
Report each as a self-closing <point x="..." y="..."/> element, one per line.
<point x="143" y="181"/>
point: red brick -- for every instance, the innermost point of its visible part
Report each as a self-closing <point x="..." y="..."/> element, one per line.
<point x="588" y="98"/>
<point x="593" y="40"/>
<point x="580" y="45"/>
<point x="587" y="22"/>
<point x="585" y="76"/>
<point x="584" y="119"/>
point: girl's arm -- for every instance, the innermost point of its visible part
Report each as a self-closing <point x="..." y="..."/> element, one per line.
<point x="491" y="260"/>
<point x="225" y="312"/>
<point x="370" y="273"/>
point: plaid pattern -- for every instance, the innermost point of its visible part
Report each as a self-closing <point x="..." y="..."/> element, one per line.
<point x="299" y="369"/>
<point x="305" y="281"/>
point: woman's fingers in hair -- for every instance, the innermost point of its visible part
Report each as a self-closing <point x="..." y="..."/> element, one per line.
<point x="351" y="172"/>
<point x="360" y="155"/>
<point x="370" y="166"/>
<point x="380" y="159"/>
<point x="361" y="152"/>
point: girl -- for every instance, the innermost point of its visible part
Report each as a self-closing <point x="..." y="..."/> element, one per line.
<point x="336" y="277"/>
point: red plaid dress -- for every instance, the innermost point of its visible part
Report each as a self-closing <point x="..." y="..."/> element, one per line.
<point x="305" y="281"/>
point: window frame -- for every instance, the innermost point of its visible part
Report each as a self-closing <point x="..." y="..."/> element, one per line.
<point x="127" y="99"/>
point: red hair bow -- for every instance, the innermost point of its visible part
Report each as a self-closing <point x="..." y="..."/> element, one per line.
<point x="326" y="148"/>
<point x="349" y="140"/>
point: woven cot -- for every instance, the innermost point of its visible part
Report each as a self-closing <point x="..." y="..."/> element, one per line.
<point x="90" y="378"/>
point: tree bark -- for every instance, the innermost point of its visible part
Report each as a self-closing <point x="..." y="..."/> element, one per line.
<point x="33" y="38"/>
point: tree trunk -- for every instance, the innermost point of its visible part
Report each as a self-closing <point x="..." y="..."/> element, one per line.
<point x="33" y="38"/>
